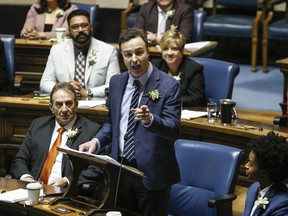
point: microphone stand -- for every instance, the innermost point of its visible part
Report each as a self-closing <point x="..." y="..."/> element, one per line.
<point x="119" y="174"/>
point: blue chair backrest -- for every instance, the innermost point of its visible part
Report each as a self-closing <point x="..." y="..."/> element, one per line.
<point x="207" y="171"/>
<point x="199" y="17"/>
<point x="9" y="44"/>
<point x="242" y="3"/>
<point x="219" y="78"/>
<point x="215" y="172"/>
<point x="92" y="9"/>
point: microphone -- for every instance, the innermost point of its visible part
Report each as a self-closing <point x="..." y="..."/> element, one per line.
<point x="120" y="171"/>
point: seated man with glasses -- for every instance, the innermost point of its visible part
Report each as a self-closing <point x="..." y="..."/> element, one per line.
<point x="85" y="62"/>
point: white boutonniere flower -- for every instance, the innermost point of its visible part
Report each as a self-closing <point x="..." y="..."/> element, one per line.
<point x="170" y="14"/>
<point x="178" y="77"/>
<point x="72" y="133"/>
<point x="92" y="58"/>
<point x="154" y="95"/>
<point x="262" y="202"/>
<point x="59" y="13"/>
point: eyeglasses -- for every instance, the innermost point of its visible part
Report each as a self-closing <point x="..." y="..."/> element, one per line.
<point x="84" y="27"/>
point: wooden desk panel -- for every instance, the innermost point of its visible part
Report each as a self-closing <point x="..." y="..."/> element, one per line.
<point x="17" y="113"/>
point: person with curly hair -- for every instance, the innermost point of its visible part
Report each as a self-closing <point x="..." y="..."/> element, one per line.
<point x="268" y="166"/>
<point x="44" y="16"/>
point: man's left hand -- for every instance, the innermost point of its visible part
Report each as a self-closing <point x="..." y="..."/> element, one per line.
<point x="59" y="182"/>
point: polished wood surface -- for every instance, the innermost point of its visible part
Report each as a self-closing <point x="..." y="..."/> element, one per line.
<point x="43" y="208"/>
<point x="17" y="114"/>
<point x="31" y="57"/>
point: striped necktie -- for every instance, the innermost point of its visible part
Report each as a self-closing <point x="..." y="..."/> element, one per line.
<point x="129" y="141"/>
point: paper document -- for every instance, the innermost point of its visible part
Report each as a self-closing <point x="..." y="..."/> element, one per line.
<point x="103" y="157"/>
<point x="190" y="114"/>
<point x="91" y="103"/>
<point x="106" y="158"/>
<point x="196" y="45"/>
<point x="14" y="196"/>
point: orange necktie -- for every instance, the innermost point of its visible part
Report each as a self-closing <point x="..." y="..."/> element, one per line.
<point x="50" y="160"/>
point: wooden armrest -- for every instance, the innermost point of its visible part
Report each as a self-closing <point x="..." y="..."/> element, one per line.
<point x="124" y="16"/>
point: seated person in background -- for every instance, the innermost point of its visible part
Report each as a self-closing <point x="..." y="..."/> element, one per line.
<point x="156" y="17"/>
<point x="3" y="68"/>
<point x="268" y="166"/>
<point x="32" y="161"/>
<point x="85" y="62"/>
<point x="44" y="16"/>
<point x="188" y="72"/>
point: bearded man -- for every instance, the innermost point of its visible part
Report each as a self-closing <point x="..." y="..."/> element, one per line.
<point x="83" y="61"/>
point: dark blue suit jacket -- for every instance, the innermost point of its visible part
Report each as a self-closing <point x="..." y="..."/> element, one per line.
<point x="278" y="200"/>
<point x="154" y="145"/>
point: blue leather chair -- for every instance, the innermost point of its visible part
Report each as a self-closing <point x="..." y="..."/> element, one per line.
<point x="227" y="23"/>
<point x="93" y="10"/>
<point x="208" y="178"/>
<point x="273" y="28"/>
<point x="219" y="78"/>
<point x="9" y="44"/>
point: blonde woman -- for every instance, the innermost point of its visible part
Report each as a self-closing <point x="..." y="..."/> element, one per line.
<point x="188" y="72"/>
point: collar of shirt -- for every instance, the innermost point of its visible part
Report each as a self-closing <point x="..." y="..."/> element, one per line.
<point x="67" y="127"/>
<point x="262" y="192"/>
<point x="167" y="9"/>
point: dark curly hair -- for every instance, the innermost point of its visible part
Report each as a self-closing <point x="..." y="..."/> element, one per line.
<point x="271" y="153"/>
<point x="62" y="4"/>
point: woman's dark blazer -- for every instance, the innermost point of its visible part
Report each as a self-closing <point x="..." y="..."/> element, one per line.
<point x="191" y="79"/>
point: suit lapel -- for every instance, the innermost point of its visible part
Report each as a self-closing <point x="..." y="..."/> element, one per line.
<point x="152" y="84"/>
<point x="69" y="52"/>
<point x="93" y="53"/>
<point x="71" y="142"/>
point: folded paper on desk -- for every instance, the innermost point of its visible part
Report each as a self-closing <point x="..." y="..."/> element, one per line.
<point x="91" y="103"/>
<point x="196" y="45"/>
<point x="15" y="195"/>
<point x="190" y="114"/>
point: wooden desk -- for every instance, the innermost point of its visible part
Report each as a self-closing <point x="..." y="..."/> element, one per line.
<point x="17" y="113"/>
<point x="31" y="57"/>
<point x="20" y="209"/>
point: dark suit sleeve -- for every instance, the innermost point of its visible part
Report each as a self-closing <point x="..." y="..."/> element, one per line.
<point x="185" y="21"/>
<point x="22" y="163"/>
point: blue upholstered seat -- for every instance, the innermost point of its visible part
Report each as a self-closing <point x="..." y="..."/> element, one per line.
<point x="208" y="171"/>
<point x="93" y="10"/>
<point x="219" y="78"/>
<point x="273" y="28"/>
<point x="9" y="44"/>
<point x="223" y="22"/>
